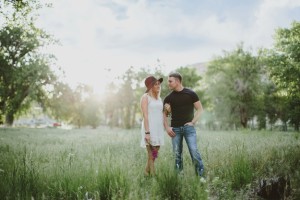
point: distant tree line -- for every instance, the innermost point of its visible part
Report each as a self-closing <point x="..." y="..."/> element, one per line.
<point x="266" y="86"/>
<point x="239" y="86"/>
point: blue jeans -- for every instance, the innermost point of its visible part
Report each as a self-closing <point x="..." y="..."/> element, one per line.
<point x="189" y="134"/>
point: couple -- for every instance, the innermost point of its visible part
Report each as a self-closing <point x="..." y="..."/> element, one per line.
<point x="179" y="105"/>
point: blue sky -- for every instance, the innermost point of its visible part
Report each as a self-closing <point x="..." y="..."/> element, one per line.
<point x="97" y="35"/>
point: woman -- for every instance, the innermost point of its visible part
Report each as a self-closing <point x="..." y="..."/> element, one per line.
<point x="152" y="126"/>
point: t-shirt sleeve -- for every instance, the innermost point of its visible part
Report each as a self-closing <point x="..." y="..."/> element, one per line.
<point x="195" y="97"/>
<point x="167" y="99"/>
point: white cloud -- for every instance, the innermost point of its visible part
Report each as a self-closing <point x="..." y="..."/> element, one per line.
<point x="269" y="17"/>
<point x="118" y="34"/>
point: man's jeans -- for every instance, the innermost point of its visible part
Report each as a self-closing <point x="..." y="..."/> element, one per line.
<point x="189" y="134"/>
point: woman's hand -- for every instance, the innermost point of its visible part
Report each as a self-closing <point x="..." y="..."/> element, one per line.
<point x="170" y="132"/>
<point x="147" y="138"/>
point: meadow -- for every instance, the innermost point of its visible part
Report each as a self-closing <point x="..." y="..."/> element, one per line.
<point x="108" y="163"/>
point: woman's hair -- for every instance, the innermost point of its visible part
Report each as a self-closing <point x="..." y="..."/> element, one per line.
<point x="176" y="75"/>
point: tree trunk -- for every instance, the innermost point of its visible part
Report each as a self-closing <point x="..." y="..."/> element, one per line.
<point x="296" y="127"/>
<point x="9" y="119"/>
<point x="133" y="115"/>
<point x="127" y="117"/>
<point x="243" y="117"/>
<point x="78" y="123"/>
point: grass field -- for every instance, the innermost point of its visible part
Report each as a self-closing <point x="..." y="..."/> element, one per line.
<point x="108" y="163"/>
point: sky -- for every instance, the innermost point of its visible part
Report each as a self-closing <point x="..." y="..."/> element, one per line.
<point x="100" y="39"/>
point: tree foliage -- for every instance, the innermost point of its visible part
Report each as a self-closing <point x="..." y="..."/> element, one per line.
<point x="234" y="83"/>
<point x="24" y="71"/>
<point x="284" y="67"/>
<point x="79" y="106"/>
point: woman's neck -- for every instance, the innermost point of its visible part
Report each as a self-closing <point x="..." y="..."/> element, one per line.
<point x="154" y="94"/>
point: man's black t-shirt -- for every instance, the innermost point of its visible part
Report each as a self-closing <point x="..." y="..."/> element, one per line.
<point x="182" y="106"/>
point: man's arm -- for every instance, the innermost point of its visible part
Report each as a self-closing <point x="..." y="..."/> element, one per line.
<point x="166" y="124"/>
<point x="199" y="109"/>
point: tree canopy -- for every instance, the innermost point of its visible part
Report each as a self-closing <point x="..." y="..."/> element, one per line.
<point x="24" y="70"/>
<point x="234" y="82"/>
<point x="283" y="61"/>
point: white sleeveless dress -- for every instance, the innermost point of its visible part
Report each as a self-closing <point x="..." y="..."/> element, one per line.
<point x="156" y="127"/>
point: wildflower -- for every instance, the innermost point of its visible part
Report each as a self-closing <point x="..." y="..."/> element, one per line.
<point x="154" y="152"/>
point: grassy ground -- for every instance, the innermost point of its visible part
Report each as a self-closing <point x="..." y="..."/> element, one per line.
<point x="109" y="163"/>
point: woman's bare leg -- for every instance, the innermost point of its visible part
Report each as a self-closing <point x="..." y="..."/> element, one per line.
<point x="150" y="164"/>
<point x="154" y="152"/>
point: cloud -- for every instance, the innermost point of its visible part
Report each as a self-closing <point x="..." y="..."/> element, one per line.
<point x="122" y="33"/>
<point x="271" y="16"/>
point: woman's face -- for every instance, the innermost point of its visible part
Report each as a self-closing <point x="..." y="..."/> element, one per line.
<point x="156" y="87"/>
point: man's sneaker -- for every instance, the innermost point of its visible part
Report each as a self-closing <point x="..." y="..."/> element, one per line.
<point x="201" y="172"/>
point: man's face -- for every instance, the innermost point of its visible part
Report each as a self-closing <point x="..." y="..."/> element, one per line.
<point x="172" y="83"/>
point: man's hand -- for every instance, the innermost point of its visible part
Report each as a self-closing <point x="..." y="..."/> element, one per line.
<point x="189" y="124"/>
<point x="167" y="108"/>
<point x="170" y="132"/>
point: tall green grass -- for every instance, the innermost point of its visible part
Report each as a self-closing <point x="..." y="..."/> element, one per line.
<point x="109" y="163"/>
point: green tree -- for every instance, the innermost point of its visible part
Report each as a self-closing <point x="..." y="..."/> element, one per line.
<point x="284" y="67"/>
<point x="17" y="4"/>
<point x="61" y="102"/>
<point x="91" y="111"/>
<point x="24" y="71"/>
<point x="111" y="104"/>
<point x="80" y="106"/>
<point x="128" y="98"/>
<point x="234" y="84"/>
<point x="85" y="107"/>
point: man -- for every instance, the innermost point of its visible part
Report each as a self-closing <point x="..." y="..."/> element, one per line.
<point x="180" y="104"/>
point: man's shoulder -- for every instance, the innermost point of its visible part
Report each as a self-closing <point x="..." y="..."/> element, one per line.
<point x="169" y="95"/>
<point x="191" y="93"/>
<point x="188" y="90"/>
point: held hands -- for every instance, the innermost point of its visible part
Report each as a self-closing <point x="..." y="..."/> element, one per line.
<point x="167" y="108"/>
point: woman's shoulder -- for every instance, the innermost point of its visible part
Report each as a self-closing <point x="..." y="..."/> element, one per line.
<point x="144" y="97"/>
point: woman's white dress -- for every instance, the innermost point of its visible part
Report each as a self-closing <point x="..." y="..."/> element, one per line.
<point x="156" y="127"/>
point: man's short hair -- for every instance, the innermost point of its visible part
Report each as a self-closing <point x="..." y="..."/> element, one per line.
<point x="176" y="75"/>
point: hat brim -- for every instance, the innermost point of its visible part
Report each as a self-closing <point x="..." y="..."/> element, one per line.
<point x="152" y="84"/>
